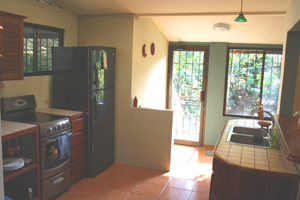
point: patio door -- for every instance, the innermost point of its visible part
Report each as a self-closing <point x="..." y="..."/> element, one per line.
<point x="186" y="92"/>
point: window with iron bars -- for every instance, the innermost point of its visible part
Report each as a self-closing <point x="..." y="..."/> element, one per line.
<point x="253" y="78"/>
<point x="37" y="50"/>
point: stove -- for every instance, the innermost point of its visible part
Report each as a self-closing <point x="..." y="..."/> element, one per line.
<point x="36" y="118"/>
<point x="55" y="170"/>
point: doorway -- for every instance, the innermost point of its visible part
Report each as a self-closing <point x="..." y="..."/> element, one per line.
<point x="187" y="78"/>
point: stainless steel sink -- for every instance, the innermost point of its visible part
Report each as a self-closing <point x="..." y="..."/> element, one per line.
<point x="248" y="136"/>
<point x="250" y="140"/>
<point x="250" y="131"/>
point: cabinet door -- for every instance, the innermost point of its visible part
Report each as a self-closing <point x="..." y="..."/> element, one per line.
<point x="11" y="48"/>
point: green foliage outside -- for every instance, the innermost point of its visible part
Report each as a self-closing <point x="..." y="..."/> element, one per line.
<point x="187" y="83"/>
<point x="45" y="41"/>
<point x="98" y="62"/>
<point x="245" y="75"/>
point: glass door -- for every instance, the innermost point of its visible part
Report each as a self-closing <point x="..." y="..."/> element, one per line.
<point x="186" y="93"/>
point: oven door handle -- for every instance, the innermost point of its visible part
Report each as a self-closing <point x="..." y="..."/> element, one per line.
<point x="54" y="140"/>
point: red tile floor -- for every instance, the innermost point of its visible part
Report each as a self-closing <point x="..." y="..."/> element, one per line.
<point x="189" y="179"/>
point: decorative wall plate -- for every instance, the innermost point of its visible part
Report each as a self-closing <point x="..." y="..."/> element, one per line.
<point x="152" y="49"/>
<point x="144" y="51"/>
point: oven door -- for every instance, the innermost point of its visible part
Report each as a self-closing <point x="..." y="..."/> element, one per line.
<point x="51" y="164"/>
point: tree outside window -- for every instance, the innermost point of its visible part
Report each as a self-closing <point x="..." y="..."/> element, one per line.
<point x="253" y="78"/>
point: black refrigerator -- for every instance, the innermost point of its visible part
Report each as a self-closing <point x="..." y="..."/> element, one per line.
<point x="83" y="79"/>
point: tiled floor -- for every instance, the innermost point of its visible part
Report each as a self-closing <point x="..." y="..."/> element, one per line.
<point x="189" y="179"/>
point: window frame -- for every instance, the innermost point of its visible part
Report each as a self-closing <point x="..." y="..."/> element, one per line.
<point x="262" y="82"/>
<point x="35" y="28"/>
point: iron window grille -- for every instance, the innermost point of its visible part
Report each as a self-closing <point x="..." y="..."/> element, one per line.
<point x="37" y="48"/>
<point x="252" y="78"/>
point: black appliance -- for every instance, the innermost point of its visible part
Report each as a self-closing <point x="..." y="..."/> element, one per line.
<point x="83" y="79"/>
<point x="55" y="171"/>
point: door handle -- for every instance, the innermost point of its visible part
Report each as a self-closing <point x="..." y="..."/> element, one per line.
<point x="96" y="71"/>
<point x="96" y="106"/>
<point x="54" y="140"/>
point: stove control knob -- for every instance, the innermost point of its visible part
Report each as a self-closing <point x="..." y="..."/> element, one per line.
<point x="54" y="128"/>
<point x="67" y="125"/>
<point x="48" y="130"/>
<point x="59" y="127"/>
<point x="63" y="125"/>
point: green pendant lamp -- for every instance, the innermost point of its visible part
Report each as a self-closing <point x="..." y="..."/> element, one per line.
<point x="241" y="17"/>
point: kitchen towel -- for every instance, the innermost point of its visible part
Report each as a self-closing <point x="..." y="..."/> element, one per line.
<point x="63" y="146"/>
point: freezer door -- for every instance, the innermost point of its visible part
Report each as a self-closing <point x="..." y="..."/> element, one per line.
<point x="102" y="130"/>
<point x="70" y="78"/>
<point x="102" y="67"/>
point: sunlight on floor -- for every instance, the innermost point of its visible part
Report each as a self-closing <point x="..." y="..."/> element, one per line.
<point x="188" y="179"/>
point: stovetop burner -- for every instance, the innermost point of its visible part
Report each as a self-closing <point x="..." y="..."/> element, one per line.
<point x="22" y="109"/>
<point x="36" y="118"/>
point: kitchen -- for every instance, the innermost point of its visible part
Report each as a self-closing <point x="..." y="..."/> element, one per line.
<point x="132" y="141"/>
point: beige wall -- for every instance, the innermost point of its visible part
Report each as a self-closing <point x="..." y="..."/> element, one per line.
<point x="142" y="136"/>
<point x="292" y="17"/>
<point x="292" y="14"/>
<point x="149" y="74"/>
<point x="43" y="14"/>
<point x="297" y="93"/>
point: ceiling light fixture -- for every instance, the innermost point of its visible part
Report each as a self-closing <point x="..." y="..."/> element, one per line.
<point x="221" y="27"/>
<point x="241" y="17"/>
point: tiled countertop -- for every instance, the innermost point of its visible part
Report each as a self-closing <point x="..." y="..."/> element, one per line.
<point x="9" y="127"/>
<point x="250" y="157"/>
<point x="55" y="111"/>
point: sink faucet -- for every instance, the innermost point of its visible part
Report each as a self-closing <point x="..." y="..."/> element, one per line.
<point x="272" y="118"/>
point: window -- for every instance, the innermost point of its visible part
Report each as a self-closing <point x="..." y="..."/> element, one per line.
<point x="37" y="52"/>
<point x="253" y="78"/>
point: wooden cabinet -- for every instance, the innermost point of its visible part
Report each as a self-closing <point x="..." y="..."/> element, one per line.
<point x="11" y="46"/>
<point x="17" y="182"/>
<point x="235" y="183"/>
<point x="78" y="147"/>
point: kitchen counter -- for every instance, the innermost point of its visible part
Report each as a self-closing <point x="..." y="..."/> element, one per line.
<point x="250" y="157"/>
<point x="28" y="136"/>
<point x="54" y="111"/>
<point x="251" y="172"/>
<point x="11" y="129"/>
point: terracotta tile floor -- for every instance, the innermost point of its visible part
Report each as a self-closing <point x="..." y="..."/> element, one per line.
<point x="189" y="179"/>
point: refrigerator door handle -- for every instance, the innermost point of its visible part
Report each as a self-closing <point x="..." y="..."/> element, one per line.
<point x="96" y="75"/>
<point x="96" y="105"/>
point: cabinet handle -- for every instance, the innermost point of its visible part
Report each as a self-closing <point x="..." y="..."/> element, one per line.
<point x="1" y="27"/>
<point x="1" y="55"/>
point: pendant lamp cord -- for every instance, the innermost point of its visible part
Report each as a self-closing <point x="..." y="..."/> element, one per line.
<point x="242" y="6"/>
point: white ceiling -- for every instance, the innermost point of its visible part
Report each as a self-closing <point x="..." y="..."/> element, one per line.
<point x="192" y="20"/>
